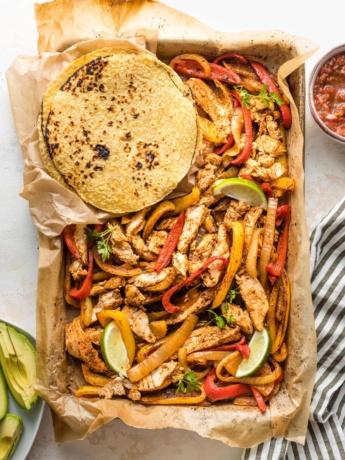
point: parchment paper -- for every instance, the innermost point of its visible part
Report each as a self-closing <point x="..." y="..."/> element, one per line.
<point x="68" y="29"/>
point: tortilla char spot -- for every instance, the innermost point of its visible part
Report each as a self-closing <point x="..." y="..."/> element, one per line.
<point x="102" y="151"/>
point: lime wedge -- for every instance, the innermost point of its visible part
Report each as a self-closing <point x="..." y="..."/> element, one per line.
<point x="114" y="350"/>
<point x="260" y="347"/>
<point x="241" y="189"/>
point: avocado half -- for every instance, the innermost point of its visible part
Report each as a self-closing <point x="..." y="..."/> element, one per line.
<point x="18" y="362"/>
<point x="3" y="396"/>
<point x="11" y="428"/>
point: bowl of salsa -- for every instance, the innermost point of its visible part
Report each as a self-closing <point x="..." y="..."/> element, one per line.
<point x="327" y="93"/>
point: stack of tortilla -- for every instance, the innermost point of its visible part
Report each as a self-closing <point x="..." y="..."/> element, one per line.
<point x="119" y="128"/>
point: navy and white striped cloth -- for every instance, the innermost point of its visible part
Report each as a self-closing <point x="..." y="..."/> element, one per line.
<point x="326" y="429"/>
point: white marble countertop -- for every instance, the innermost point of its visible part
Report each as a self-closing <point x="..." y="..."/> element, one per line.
<point x="324" y="186"/>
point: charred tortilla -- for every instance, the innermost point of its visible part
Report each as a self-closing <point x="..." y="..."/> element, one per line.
<point x="119" y="128"/>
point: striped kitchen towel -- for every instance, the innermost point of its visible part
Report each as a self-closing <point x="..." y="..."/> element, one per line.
<point x="326" y="429"/>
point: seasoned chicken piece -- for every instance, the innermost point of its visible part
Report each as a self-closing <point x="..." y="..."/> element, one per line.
<point x="133" y="296"/>
<point x="255" y="299"/>
<point x="95" y="334"/>
<point x="207" y="147"/>
<point x="79" y="345"/>
<point x="250" y="220"/>
<point x="156" y="240"/>
<point x="113" y="388"/>
<point x="194" y="301"/>
<point x="195" y="217"/>
<point x="235" y="212"/>
<point x="210" y="103"/>
<point x="115" y="282"/>
<point x="110" y="300"/>
<point x="222" y="248"/>
<point x="166" y="224"/>
<point x="78" y="270"/>
<point x="137" y="222"/>
<point x="140" y="248"/>
<point x="180" y="262"/>
<point x="153" y="281"/>
<point x="222" y="205"/>
<point x="239" y="317"/>
<point x="254" y="168"/>
<point x="203" y="251"/>
<point x="80" y="241"/>
<point x="160" y="377"/>
<point x="139" y="323"/>
<point x="211" y="336"/>
<point x="134" y="394"/>
<point x="269" y="145"/>
<point x="207" y="175"/>
<point x="120" y="245"/>
<point x="272" y="128"/>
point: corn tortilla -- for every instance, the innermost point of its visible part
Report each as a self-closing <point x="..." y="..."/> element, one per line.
<point x="119" y="128"/>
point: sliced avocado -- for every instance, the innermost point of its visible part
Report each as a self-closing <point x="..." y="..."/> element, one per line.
<point x="3" y="396"/>
<point x="11" y="428"/>
<point x="18" y="364"/>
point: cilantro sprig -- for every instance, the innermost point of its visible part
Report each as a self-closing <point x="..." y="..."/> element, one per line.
<point x="273" y="96"/>
<point x="218" y="319"/>
<point x="101" y="239"/>
<point x="245" y="96"/>
<point x="187" y="383"/>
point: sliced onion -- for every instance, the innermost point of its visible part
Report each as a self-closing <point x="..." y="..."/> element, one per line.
<point x="194" y="57"/>
<point x="252" y="256"/>
<point x="267" y="245"/>
<point x="164" y="352"/>
<point x="261" y="380"/>
<point x="232" y="357"/>
<point x="201" y="357"/>
<point x="115" y="269"/>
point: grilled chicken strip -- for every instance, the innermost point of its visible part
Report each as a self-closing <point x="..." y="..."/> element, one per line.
<point x="156" y="240"/>
<point x="115" y="282"/>
<point x="267" y="144"/>
<point x="137" y="222"/>
<point x="240" y="317"/>
<point x="180" y="262"/>
<point x="258" y="169"/>
<point x="133" y="296"/>
<point x="222" y="248"/>
<point x="195" y="217"/>
<point x="120" y="245"/>
<point x="139" y="323"/>
<point x="141" y="249"/>
<point x="80" y="241"/>
<point x="110" y="300"/>
<point x="235" y="212"/>
<point x="203" y="251"/>
<point x="255" y="299"/>
<point x="78" y="270"/>
<point x="211" y="336"/>
<point x="79" y="345"/>
<point x="249" y="222"/>
<point x="160" y="377"/>
<point x="153" y="281"/>
<point x="194" y="301"/>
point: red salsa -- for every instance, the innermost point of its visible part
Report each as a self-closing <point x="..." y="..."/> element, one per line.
<point x="329" y="94"/>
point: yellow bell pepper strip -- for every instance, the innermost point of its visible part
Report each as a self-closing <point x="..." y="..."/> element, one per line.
<point x="165" y="398"/>
<point x="68" y="235"/>
<point x="271" y="314"/>
<point x="159" y="328"/>
<point x="267" y="245"/>
<point x="86" y="308"/>
<point x="171" y="308"/>
<point x="282" y="312"/>
<point x="276" y="268"/>
<point x="266" y="79"/>
<point x="283" y="183"/>
<point x="105" y="316"/>
<point x="216" y="393"/>
<point x="262" y="379"/>
<point x="234" y="263"/>
<point x="88" y="390"/>
<point x="281" y="354"/>
<point x="84" y="290"/>
<point x="92" y="378"/>
<point x="165" y="254"/>
<point x="167" y="349"/>
<point x="157" y="213"/>
<point x="184" y="202"/>
<point x="125" y="271"/>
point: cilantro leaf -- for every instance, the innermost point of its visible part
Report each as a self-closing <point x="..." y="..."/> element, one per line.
<point x="188" y="382"/>
<point x="276" y="98"/>
<point x="218" y="319"/>
<point x="231" y="295"/>
<point x="264" y="95"/>
<point x="101" y="239"/>
<point x="245" y="96"/>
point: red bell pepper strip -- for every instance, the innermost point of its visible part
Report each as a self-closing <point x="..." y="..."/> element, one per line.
<point x="276" y="268"/>
<point x="84" y="290"/>
<point x="267" y="189"/>
<point x="240" y="346"/>
<point x="226" y="146"/>
<point x="281" y="214"/>
<point x="216" y="393"/>
<point x="218" y="72"/>
<point x="238" y="99"/>
<point x="224" y="56"/>
<point x="169" y="246"/>
<point x="247" y="149"/>
<point x="68" y="235"/>
<point x="266" y="79"/>
<point x="259" y="399"/>
<point x="171" y="308"/>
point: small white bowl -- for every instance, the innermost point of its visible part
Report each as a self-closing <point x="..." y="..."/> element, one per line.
<point x="314" y="73"/>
